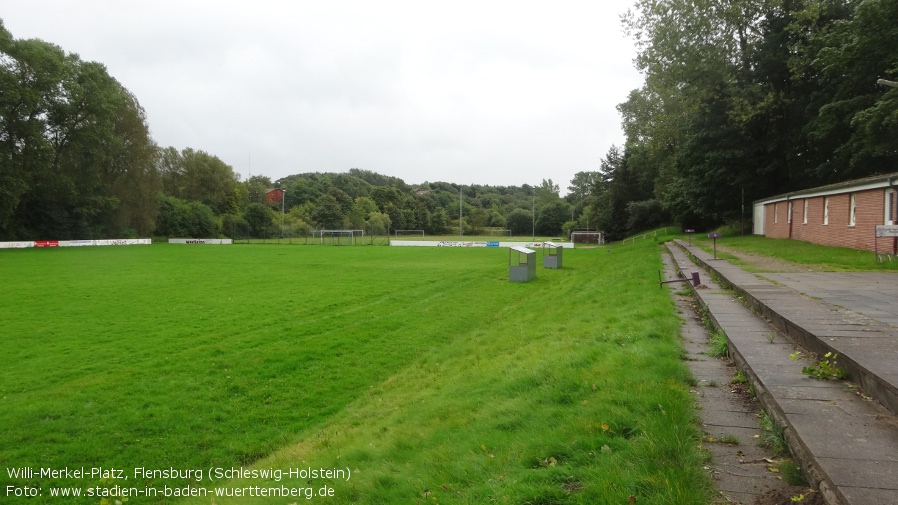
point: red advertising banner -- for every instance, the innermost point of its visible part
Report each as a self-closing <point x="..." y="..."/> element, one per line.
<point x="46" y="243"/>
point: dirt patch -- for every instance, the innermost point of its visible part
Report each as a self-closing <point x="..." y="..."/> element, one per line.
<point x="789" y="496"/>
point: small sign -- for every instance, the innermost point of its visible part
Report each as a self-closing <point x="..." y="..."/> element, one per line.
<point x="689" y="230"/>
<point x="887" y="230"/>
<point x="714" y="235"/>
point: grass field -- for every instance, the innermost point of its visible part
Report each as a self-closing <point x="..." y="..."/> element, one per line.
<point x="826" y="258"/>
<point x="421" y="371"/>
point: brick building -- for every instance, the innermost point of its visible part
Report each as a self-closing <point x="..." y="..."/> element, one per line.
<point x="844" y="214"/>
<point x="274" y="195"/>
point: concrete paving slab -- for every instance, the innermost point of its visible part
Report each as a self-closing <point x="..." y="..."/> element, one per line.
<point x="868" y="496"/>
<point x="726" y="418"/>
<point x="853" y="473"/>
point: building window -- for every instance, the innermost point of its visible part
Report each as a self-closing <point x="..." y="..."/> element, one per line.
<point x="826" y="210"/>
<point x="789" y="215"/>
<point x="889" y="217"/>
<point x="804" y="219"/>
<point x="852" y="210"/>
<point x="775" y="214"/>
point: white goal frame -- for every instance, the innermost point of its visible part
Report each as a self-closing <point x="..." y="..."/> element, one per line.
<point x="593" y="237"/>
<point x="340" y="235"/>
<point x="503" y="232"/>
<point x="409" y="232"/>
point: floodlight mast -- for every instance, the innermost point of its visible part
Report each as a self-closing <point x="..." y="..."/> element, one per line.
<point x="283" y="200"/>
<point x="461" y="231"/>
<point x="533" y="217"/>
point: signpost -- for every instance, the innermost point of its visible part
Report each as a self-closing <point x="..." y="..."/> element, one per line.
<point x="689" y="231"/>
<point x="714" y="236"/>
<point x="885" y="231"/>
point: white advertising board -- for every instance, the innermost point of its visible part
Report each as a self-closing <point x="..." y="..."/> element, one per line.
<point x="16" y="245"/>
<point x="207" y="241"/>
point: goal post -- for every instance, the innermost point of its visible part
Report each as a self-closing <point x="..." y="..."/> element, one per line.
<point x="500" y="231"/>
<point x="588" y="237"/>
<point x="409" y="232"/>
<point x="337" y="237"/>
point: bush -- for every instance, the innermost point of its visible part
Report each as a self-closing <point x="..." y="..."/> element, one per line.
<point x="178" y="218"/>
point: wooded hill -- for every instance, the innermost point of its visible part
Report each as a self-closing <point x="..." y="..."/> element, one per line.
<point x="742" y="99"/>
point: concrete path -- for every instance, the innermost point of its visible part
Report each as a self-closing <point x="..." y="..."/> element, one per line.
<point x="845" y="441"/>
<point x="741" y="467"/>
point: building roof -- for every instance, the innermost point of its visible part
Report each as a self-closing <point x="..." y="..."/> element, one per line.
<point x="872" y="182"/>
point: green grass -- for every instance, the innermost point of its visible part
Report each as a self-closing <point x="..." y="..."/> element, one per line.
<point x="422" y="370"/>
<point x="827" y="258"/>
<point x="718" y="345"/>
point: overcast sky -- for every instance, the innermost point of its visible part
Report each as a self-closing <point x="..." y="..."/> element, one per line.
<point x="482" y="92"/>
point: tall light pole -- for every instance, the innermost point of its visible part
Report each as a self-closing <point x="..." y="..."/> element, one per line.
<point x="533" y="216"/>
<point x="461" y="231"/>
<point x="283" y="203"/>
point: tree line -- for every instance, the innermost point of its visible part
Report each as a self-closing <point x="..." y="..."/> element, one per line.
<point x="78" y="162"/>
<point x="742" y="99"/>
<point x="745" y="99"/>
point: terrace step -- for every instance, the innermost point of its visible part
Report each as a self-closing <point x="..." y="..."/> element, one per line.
<point x="847" y="445"/>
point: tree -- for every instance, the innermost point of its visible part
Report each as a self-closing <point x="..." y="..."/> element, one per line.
<point x="257" y="187"/>
<point x="75" y="151"/>
<point x="437" y="224"/>
<point x="378" y="223"/>
<point x="327" y="213"/>
<point x="259" y="219"/>
<point x="547" y="193"/>
<point x="520" y="222"/>
<point x="857" y="125"/>
<point x="179" y="218"/>
<point x="552" y="217"/>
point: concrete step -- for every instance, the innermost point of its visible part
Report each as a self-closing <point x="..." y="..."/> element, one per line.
<point x="867" y="347"/>
<point x="846" y="443"/>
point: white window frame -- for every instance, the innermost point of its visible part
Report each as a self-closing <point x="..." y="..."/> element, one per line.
<point x="775" y="213"/>
<point x="825" y="211"/>
<point x="804" y="219"/>
<point x="789" y="215"/>
<point x="852" y="209"/>
<point x="889" y="207"/>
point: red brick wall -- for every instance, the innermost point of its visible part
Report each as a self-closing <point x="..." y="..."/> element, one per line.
<point x="869" y="212"/>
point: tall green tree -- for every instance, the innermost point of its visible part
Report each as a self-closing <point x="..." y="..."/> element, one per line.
<point x="328" y="214"/>
<point x="77" y="158"/>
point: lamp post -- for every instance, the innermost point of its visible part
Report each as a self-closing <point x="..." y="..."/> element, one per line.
<point x="461" y="230"/>
<point x="283" y="203"/>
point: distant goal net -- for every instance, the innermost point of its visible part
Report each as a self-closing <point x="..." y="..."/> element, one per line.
<point x="587" y="237"/>
<point x="406" y="233"/>
<point x="338" y="237"/>
<point x="500" y="232"/>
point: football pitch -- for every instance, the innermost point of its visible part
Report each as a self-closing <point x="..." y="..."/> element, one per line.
<point x="362" y="374"/>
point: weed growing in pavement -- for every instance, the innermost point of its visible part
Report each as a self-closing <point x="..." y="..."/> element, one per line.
<point x="792" y="473"/>
<point x="773" y="437"/>
<point x="718" y="346"/>
<point x="822" y="369"/>
<point x="739" y="378"/>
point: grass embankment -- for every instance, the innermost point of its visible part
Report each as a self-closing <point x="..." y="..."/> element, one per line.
<point x="423" y="371"/>
<point x="820" y="257"/>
